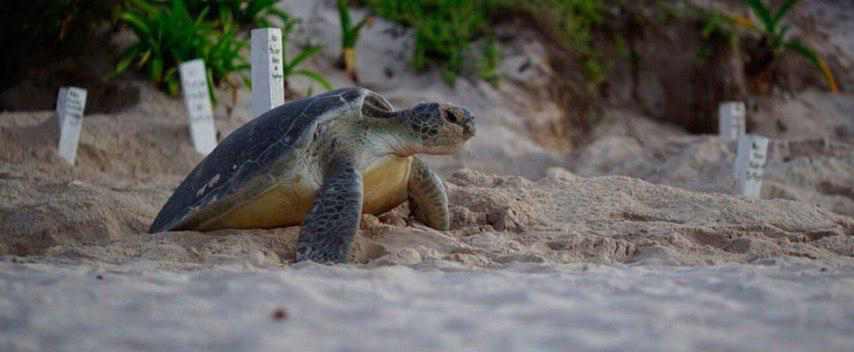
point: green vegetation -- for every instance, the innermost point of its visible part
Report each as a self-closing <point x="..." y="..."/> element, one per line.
<point x="716" y="28"/>
<point x="445" y="29"/>
<point x="171" y="32"/>
<point x="775" y="40"/>
<point x="491" y="59"/>
<point x="246" y="13"/>
<point x="772" y="30"/>
<point x="291" y="67"/>
<point x="572" y="23"/>
<point x="168" y="36"/>
<point x="349" y="37"/>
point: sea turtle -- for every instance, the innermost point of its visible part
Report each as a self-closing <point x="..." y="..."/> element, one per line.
<point x="321" y="162"/>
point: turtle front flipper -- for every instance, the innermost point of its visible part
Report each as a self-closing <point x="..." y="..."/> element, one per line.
<point x="427" y="197"/>
<point x="334" y="217"/>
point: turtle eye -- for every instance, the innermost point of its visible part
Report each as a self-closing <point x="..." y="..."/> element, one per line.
<point x="451" y="116"/>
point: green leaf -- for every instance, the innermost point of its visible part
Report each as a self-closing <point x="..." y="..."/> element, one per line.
<point x="358" y="28"/>
<point x="144" y="6"/>
<point x="784" y="9"/>
<point x="817" y="61"/>
<point x="315" y="77"/>
<point x="282" y="15"/>
<point x="156" y="69"/>
<point x="211" y="86"/>
<point x="172" y="86"/>
<point x="172" y="81"/>
<point x="805" y="51"/>
<point x="344" y="16"/>
<point x="200" y="19"/>
<point x="136" y="23"/>
<point x="302" y="56"/>
<point x="226" y="19"/>
<point x="144" y="58"/>
<point x="127" y="58"/>
<point x="763" y="13"/>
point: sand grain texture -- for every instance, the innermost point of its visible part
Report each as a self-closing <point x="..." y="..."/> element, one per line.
<point x="781" y="304"/>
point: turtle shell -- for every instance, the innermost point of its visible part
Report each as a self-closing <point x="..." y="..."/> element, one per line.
<point x="251" y="150"/>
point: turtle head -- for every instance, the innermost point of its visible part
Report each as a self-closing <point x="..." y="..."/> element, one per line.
<point x="434" y="128"/>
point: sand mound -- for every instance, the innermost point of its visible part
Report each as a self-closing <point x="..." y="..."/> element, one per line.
<point x="561" y="218"/>
<point x="811" y="169"/>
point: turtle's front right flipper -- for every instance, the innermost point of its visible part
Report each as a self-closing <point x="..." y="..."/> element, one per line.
<point x="333" y="220"/>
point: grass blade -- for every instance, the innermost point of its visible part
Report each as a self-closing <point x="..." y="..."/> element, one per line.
<point x="137" y="24"/>
<point x="127" y="58"/>
<point x="784" y="9"/>
<point x="763" y="13"/>
<point x="315" y="77"/>
<point x="816" y="60"/>
<point x="302" y="56"/>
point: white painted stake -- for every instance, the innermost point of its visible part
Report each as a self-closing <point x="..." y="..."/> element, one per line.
<point x="750" y="164"/>
<point x="731" y="121"/>
<point x="60" y="106"/>
<point x="267" y="75"/>
<point x="194" y="84"/>
<point x="69" y="107"/>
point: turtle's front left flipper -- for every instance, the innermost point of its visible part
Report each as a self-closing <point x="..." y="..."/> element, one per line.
<point x="332" y="223"/>
<point x="428" y="199"/>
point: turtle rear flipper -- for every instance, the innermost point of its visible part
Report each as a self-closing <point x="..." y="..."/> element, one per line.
<point x="332" y="223"/>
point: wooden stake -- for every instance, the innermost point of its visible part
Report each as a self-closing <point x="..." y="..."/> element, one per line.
<point x="70" y="106"/>
<point x="731" y="120"/>
<point x="267" y="71"/>
<point x="750" y="164"/>
<point x="194" y="84"/>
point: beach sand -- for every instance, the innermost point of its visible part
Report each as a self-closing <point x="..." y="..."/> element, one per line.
<point x="775" y="305"/>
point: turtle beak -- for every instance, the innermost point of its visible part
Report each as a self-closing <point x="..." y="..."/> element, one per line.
<point x="468" y="125"/>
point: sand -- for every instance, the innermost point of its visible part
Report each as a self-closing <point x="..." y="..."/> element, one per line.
<point x="561" y="218"/>
<point x="776" y="305"/>
<point x="811" y="169"/>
